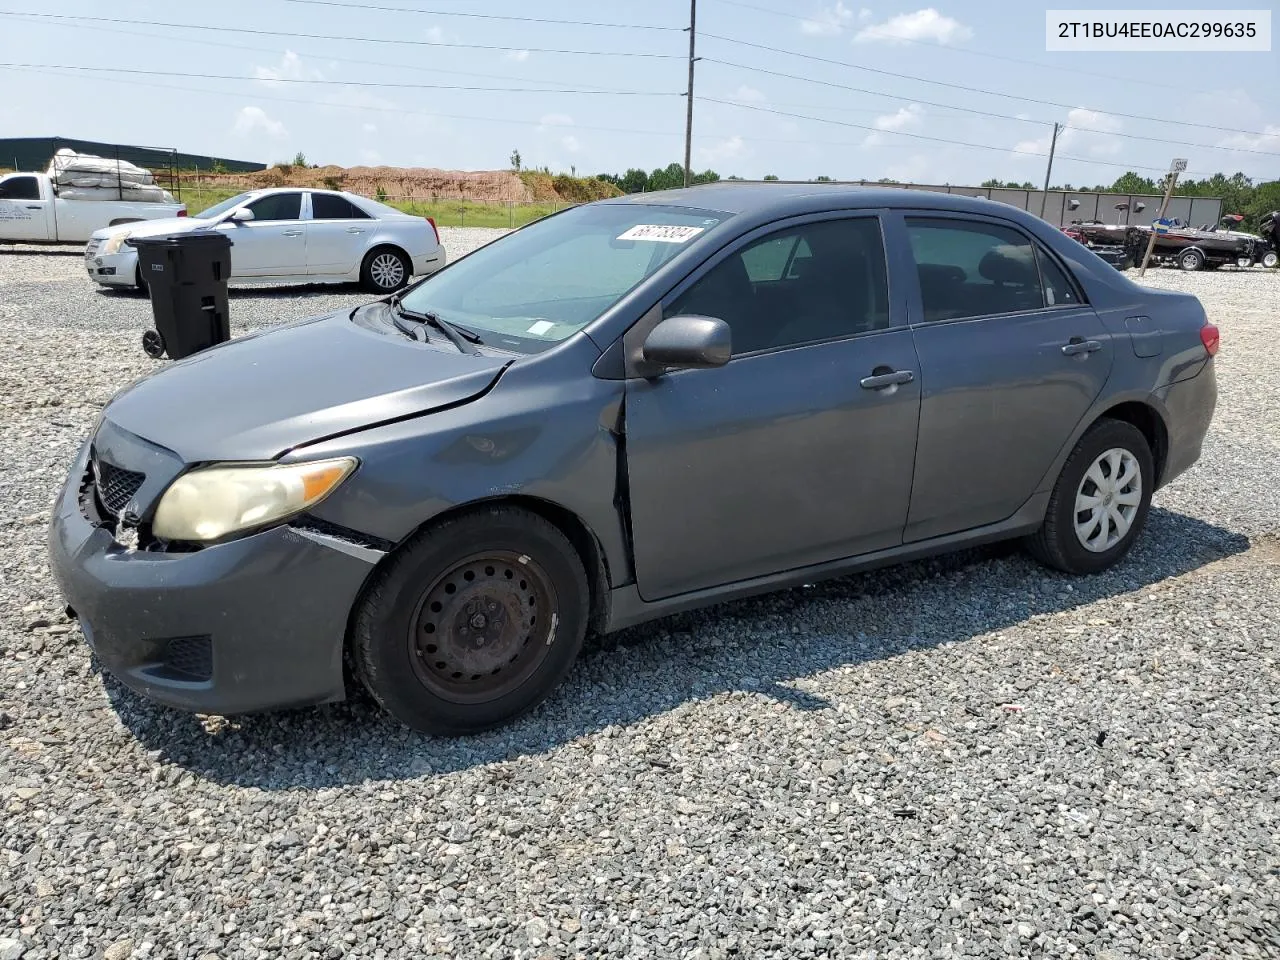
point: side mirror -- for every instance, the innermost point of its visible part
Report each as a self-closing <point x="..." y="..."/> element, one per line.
<point x="689" y="342"/>
<point x="241" y="215"/>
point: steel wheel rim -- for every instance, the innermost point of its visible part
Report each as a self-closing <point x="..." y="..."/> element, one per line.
<point x="1107" y="500"/>
<point x="1270" y="260"/>
<point x="483" y="628"/>
<point x="387" y="270"/>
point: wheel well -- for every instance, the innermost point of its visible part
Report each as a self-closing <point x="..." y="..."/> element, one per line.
<point x="1151" y="424"/>
<point x="575" y="530"/>
<point x="388" y="246"/>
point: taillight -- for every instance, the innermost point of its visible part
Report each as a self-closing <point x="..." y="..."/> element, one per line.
<point x="1209" y="337"/>
<point x="182" y="212"/>
<point x="434" y="228"/>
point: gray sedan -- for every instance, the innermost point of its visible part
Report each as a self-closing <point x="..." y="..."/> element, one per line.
<point x="631" y="408"/>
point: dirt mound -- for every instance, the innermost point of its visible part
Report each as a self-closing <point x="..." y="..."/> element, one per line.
<point x="417" y="183"/>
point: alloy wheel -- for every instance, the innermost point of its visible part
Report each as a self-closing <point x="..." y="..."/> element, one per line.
<point x="1108" y="499"/>
<point x="387" y="271"/>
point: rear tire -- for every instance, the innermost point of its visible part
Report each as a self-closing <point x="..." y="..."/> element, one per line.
<point x="1191" y="259"/>
<point x="385" y="270"/>
<point x="1099" y="504"/>
<point x="140" y="284"/>
<point x="472" y="622"/>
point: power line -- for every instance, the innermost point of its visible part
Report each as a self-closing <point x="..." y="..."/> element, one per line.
<point x="338" y="83"/>
<point x="276" y="52"/>
<point x="978" y="90"/>
<point x="345" y="39"/>
<point x="398" y="111"/>
<point x="888" y="35"/>
<point x="485" y="16"/>
<point x="922" y="136"/>
<point x="972" y="110"/>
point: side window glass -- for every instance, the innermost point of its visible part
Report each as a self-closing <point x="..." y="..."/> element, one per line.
<point x="973" y="269"/>
<point x="325" y="206"/>
<point x="819" y="281"/>
<point x="1058" y="290"/>
<point x="278" y="206"/>
<point x="20" y="188"/>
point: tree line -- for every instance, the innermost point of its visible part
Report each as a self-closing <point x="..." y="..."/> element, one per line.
<point x="1239" y="193"/>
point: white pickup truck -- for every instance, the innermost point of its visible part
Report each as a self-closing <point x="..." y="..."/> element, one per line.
<point x="32" y="212"/>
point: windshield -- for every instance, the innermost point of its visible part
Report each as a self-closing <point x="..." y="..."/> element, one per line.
<point x="220" y="208"/>
<point x="544" y="283"/>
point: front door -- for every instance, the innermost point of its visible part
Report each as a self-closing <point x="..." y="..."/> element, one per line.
<point x="274" y="242"/>
<point x="23" y="214"/>
<point x="1011" y="359"/>
<point x="800" y="449"/>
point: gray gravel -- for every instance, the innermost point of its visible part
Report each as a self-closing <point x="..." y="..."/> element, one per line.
<point x="966" y="757"/>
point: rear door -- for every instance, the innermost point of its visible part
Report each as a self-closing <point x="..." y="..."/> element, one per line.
<point x="24" y="214"/>
<point x="800" y="449"/>
<point x="337" y="234"/>
<point x="274" y="242"/>
<point x="1011" y="359"/>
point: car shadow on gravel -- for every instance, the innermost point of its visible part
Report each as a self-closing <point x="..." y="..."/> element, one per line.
<point x="259" y="293"/>
<point x="759" y="644"/>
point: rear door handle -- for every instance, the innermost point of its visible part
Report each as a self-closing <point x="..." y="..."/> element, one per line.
<point x="881" y="380"/>
<point x="29" y="207"/>
<point x="293" y="233"/>
<point x="355" y="229"/>
<point x="1077" y="346"/>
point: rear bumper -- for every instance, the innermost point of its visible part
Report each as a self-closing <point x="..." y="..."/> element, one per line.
<point x="428" y="263"/>
<point x="253" y="624"/>
<point x="1189" y="405"/>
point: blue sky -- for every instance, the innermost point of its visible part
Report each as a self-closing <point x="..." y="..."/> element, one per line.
<point x="258" y="114"/>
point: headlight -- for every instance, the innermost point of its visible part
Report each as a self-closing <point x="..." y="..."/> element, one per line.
<point x="210" y="503"/>
<point x="114" y="243"/>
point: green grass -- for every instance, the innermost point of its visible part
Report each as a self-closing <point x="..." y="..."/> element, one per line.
<point x="447" y="213"/>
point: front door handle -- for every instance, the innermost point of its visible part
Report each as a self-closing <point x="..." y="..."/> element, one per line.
<point x="1077" y="345"/>
<point x="355" y="229"/>
<point x="293" y="233"/>
<point x="37" y="207"/>
<point x="878" y="381"/>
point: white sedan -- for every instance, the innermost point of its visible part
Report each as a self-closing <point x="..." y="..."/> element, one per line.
<point x="285" y="235"/>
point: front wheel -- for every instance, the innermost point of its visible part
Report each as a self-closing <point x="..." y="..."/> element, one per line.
<point x="472" y="622"/>
<point x="385" y="270"/>
<point x="1271" y="259"/>
<point x="1100" y="502"/>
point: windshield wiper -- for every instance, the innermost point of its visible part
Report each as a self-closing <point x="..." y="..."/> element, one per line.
<point x="460" y="337"/>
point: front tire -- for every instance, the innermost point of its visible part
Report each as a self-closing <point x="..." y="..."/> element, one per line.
<point x="473" y="622"/>
<point x="1099" y="504"/>
<point x="1270" y="259"/>
<point x="385" y="270"/>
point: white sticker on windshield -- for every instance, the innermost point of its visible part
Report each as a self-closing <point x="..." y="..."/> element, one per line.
<point x="541" y="327"/>
<point x="661" y="233"/>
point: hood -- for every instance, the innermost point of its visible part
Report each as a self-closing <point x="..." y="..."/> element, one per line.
<point x="155" y="228"/>
<point x="256" y="397"/>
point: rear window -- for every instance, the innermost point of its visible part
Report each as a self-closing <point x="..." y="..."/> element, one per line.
<point x="326" y="206"/>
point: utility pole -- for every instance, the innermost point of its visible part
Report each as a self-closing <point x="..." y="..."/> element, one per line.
<point x="1176" y="168"/>
<point x="688" y="119"/>
<point x="1053" y="145"/>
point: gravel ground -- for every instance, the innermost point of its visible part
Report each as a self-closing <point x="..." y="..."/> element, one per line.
<point x="966" y="757"/>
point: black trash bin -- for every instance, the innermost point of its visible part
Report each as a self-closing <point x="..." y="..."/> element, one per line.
<point x="187" y="274"/>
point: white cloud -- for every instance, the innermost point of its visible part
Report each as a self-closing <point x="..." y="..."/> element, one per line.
<point x="555" y="120"/>
<point x="570" y="143"/>
<point x="864" y="15"/>
<point x="828" y="21"/>
<point x="1268" y="140"/>
<point x="370" y="128"/>
<point x="519" y="56"/>
<point x="926" y="24"/>
<point x="905" y="118"/>
<point x="729" y="149"/>
<point x="746" y="94"/>
<point x="253" y="121"/>
<point x="1087" y="131"/>
<point x="290" y="67"/>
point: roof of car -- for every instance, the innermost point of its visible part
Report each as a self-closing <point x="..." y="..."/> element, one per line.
<point x="739" y="197"/>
